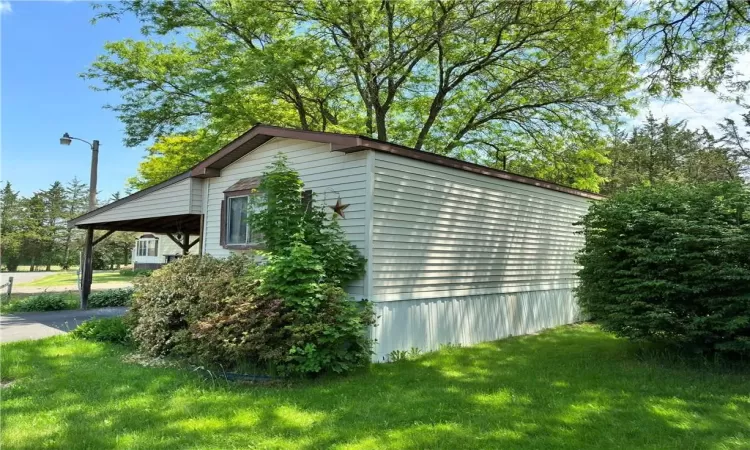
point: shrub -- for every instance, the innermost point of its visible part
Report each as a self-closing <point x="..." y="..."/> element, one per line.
<point x="108" y="329"/>
<point x="173" y="297"/>
<point x="670" y="264"/>
<point x="46" y="301"/>
<point x="289" y="315"/>
<point x="136" y="272"/>
<point x="111" y="297"/>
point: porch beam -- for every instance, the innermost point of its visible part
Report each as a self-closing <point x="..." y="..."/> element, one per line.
<point x="103" y="237"/>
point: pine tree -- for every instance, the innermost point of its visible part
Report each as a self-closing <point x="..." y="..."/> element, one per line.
<point x="10" y="237"/>
<point x="76" y="197"/>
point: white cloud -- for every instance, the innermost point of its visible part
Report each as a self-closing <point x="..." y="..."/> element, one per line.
<point x="5" y="8"/>
<point x="698" y="107"/>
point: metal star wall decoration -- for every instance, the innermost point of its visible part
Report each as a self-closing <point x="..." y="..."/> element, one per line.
<point x="339" y="208"/>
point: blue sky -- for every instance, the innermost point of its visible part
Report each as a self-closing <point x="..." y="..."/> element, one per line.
<point x="44" y="46"/>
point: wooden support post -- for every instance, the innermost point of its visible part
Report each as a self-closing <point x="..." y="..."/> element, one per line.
<point x="185" y="243"/>
<point x="87" y="269"/>
<point x="200" y="236"/>
<point x="10" y="287"/>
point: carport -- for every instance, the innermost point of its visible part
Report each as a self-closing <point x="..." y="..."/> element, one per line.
<point x="173" y="207"/>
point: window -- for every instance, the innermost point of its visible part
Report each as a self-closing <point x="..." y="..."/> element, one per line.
<point x="238" y="229"/>
<point x="237" y="205"/>
<point x="147" y="247"/>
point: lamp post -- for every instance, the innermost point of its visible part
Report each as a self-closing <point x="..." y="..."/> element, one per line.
<point x="66" y="139"/>
<point x="87" y="269"/>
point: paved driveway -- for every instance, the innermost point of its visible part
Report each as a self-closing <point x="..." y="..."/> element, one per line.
<point x="21" y="326"/>
<point x="23" y="277"/>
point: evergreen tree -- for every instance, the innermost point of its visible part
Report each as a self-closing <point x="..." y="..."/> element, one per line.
<point x="76" y="196"/>
<point x="10" y="236"/>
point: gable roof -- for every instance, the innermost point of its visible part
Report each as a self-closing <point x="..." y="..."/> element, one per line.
<point x="347" y="143"/>
<point x="350" y="143"/>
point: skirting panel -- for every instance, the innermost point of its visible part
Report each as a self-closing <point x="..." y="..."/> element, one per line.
<point x="426" y="324"/>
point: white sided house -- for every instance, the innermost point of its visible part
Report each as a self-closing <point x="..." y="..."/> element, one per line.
<point x="151" y="251"/>
<point x="456" y="252"/>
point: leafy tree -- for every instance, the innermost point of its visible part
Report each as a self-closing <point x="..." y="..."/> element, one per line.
<point x="446" y="76"/>
<point x="691" y="42"/>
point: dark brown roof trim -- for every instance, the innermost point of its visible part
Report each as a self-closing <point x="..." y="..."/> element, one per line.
<point x="259" y="135"/>
<point x="446" y="161"/>
<point x="349" y="143"/>
<point x="129" y="198"/>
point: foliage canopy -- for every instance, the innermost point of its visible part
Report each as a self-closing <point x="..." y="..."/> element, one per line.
<point x="670" y="263"/>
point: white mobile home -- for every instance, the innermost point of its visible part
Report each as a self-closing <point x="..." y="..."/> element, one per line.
<point x="457" y="252"/>
<point x="151" y="251"/>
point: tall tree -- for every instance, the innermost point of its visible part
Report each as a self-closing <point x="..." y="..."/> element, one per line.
<point x="658" y="152"/>
<point x="76" y="199"/>
<point x="10" y="227"/>
<point x="738" y="141"/>
<point x="55" y="204"/>
<point x="691" y="42"/>
<point x="37" y="241"/>
<point x="447" y="76"/>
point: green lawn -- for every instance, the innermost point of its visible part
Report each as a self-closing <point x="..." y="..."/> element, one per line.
<point x="570" y="388"/>
<point x="70" y="279"/>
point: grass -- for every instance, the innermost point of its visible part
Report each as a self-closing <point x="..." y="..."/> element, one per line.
<point x="569" y="388"/>
<point x="72" y="299"/>
<point x="70" y="279"/>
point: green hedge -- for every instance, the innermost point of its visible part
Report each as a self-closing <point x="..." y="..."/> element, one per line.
<point x="46" y="301"/>
<point x="671" y="264"/>
<point x="111" y="297"/>
<point x="136" y="272"/>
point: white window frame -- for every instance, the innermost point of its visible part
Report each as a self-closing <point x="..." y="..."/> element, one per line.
<point x="249" y="235"/>
<point x="144" y="246"/>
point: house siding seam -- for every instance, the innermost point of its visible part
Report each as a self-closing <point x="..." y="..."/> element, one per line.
<point x="458" y="257"/>
<point x="329" y="174"/>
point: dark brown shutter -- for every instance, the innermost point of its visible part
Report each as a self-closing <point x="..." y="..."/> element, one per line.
<point x="223" y="224"/>
<point x="307" y="198"/>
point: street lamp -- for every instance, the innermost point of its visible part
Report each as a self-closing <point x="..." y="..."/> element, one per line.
<point x="87" y="269"/>
<point x="66" y="139"/>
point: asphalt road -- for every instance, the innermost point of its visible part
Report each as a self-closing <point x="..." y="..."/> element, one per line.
<point x="22" y="326"/>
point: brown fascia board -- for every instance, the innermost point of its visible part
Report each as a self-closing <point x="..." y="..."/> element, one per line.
<point x="446" y="161"/>
<point x="350" y="143"/>
<point x="259" y="135"/>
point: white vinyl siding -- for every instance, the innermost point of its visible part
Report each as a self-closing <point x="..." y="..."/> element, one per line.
<point x="170" y="200"/>
<point x="166" y="247"/>
<point x="440" y="232"/>
<point x="196" y="196"/>
<point x="329" y="174"/>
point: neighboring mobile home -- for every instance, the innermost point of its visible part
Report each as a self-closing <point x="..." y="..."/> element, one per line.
<point x="456" y="252"/>
<point x="151" y="251"/>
